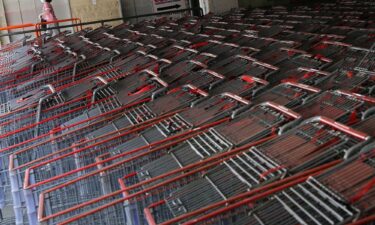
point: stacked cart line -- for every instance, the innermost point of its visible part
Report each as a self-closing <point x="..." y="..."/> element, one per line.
<point x="261" y="116"/>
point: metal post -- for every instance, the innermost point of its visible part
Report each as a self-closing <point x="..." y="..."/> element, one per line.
<point x="31" y="205"/>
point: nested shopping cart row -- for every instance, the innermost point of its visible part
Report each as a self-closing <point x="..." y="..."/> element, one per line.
<point x="121" y="109"/>
<point x="144" y="188"/>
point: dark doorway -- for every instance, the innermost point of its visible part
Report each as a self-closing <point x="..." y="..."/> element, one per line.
<point x="195" y="4"/>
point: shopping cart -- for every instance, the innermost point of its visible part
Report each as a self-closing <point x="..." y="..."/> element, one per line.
<point x="65" y="72"/>
<point x="270" y="31"/>
<point x="218" y="48"/>
<point x="109" y="110"/>
<point x="308" y="27"/>
<point x="361" y="38"/>
<point x="158" y="186"/>
<point x="173" y="73"/>
<point x="341" y="106"/>
<point x="172" y="101"/>
<point x="251" y="41"/>
<point x="245" y="86"/>
<point x="331" y="49"/>
<point x="302" y="75"/>
<point x="337" y="30"/>
<point x="288" y="94"/>
<point x="68" y="92"/>
<point x="237" y="65"/>
<point x="163" y="127"/>
<point x="305" y="40"/>
<point x="204" y="79"/>
<point x="331" y="196"/>
<point x="175" y="53"/>
<point x="263" y="164"/>
<point x="209" y="112"/>
<point x="358" y="82"/>
<point x="368" y="61"/>
<point x="24" y="68"/>
<point x="287" y="59"/>
<point x="216" y="31"/>
<point x="213" y="141"/>
<point x="367" y="123"/>
<point x="103" y="100"/>
<point x="350" y="61"/>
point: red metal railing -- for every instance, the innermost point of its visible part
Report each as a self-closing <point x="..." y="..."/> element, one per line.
<point x="74" y="21"/>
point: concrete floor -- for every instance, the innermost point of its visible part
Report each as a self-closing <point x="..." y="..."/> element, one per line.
<point x="8" y="213"/>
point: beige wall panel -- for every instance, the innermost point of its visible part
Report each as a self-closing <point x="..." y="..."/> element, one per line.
<point x="88" y="11"/>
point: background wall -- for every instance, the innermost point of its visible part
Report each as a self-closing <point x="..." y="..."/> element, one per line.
<point x="13" y="12"/>
<point x="220" y="6"/>
<point x="103" y="9"/>
<point x="3" y="22"/>
<point x="261" y="3"/>
<point x="139" y="7"/>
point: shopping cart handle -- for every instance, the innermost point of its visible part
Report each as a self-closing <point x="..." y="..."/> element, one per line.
<point x="250" y="48"/>
<point x="196" y="90"/>
<point x="115" y="38"/>
<point x="61" y="45"/>
<point x="151" y="46"/>
<point x="282" y="109"/>
<point x="156" y="36"/>
<point x="198" y="63"/>
<point x="357" y="96"/>
<point x="139" y="43"/>
<point x="213" y="73"/>
<point x="178" y="47"/>
<point x="158" y="93"/>
<point x="369" y="149"/>
<point x="231" y="45"/>
<point x="248" y="78"/>
<point x="72" y="53"/>
<point x="165" y="60"/>
<point x="235" y="97"/>
<point x="160" y="81"/>
<point x="314" y="71"/>
<point x="337" y="43"/>
<point x="149" y="72"/>
<point x="208" y="54"/>
<point x="50" y="87"/>
<point x="23" y="99"/>
<point x="89" y="42"/>
<point x="293" y="50"/>
<point x="303" y="86"/>
<point x="246" y="58"/>
<point x="108" y="35"/>
<point x="36" y="51"/>
<point x="368" y="113"/>
<point x="83" y="57"/>
<point x="242" y="109"/>
<point x="191" y="50"/>
<point x="152" y="56"/>
<point x="101" y="79"/>
<point x="59" y="40"/>
<point x="340" y="127"/>
<point x="215" y="42"/>
<point x="40" y="57"/>
<point x="141" y="52"/>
